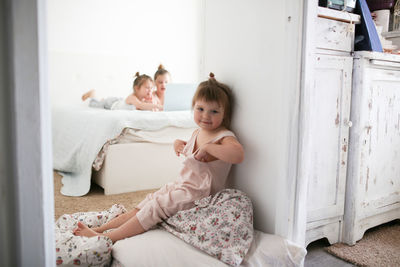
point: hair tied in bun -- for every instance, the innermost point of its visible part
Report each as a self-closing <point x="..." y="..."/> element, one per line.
<point x="137" y="75"/>
<point x="212" y="75"/>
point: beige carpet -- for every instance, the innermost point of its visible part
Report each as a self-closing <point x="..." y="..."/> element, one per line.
<point x="95" y="200"/>
<point x="380" y="247"/>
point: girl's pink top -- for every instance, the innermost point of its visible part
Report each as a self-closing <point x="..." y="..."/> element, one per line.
<point x="197" y="180"/>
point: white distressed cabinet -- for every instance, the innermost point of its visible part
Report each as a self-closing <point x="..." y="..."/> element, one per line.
<point x="373" y="179"/>
<point x="329" y="120"/>
<point x="328" y="102"/>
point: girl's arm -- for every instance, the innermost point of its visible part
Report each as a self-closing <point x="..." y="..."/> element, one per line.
<point x="157" y="101"/>
<point x="133" y="100"/>
<point x="229" y="150"/>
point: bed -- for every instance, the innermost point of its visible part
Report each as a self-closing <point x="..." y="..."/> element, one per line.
<point x="140" y="160"/>
<point x="80" y="133"/>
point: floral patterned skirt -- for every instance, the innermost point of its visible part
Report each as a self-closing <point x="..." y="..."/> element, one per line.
<point x="220" y="225"/>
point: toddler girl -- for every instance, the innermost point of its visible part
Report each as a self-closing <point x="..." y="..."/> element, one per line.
<point x="209" y="153"/>
<point x="141" y="97"/>
<point x="161" y="79"/>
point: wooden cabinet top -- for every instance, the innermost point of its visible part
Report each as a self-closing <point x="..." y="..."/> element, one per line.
<point x="343" y="16"/>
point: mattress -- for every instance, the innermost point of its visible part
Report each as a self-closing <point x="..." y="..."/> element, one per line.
<point x="160" y="248"/>
<point x="141" y="160"/>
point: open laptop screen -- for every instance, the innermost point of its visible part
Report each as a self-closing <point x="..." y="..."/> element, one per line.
<point x="178" y="96"/>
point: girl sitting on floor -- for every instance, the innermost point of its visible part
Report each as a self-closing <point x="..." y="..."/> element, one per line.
<point x="209" y="153"/>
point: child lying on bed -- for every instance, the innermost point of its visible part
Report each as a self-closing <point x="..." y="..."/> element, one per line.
<point x="140" y="99"/>
<point x="210" y="152"/>
<point x="161" y="79"/>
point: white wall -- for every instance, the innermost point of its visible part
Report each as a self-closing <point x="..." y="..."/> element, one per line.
<point x="246" y="47"/>
<point x="101" y="44"/>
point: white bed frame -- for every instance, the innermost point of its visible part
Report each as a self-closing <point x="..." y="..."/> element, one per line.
<point x="134" y="166"/>
<point x="137" y="166"/>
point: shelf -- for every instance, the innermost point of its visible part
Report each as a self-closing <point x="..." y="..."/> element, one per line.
<point x="343" y="16"/>
<point x="391" y="34"/>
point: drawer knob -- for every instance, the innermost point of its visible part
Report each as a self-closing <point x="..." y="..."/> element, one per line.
<point x="349" y="123"/>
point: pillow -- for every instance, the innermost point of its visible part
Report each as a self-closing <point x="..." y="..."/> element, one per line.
<point x="160" y="248"/>
<point x="273" y="250"/>
<point x="77" y="250"/>
<point x="178" y="96"/>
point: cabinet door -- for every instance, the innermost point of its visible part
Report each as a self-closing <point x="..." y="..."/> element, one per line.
<point x="373" y="192"/>
<point x="379" y="131"/>
<point x="329" y="113"/>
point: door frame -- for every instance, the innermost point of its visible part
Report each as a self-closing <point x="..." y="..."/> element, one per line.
<point x="29" y="227"/>
<point x="300" y="167"/>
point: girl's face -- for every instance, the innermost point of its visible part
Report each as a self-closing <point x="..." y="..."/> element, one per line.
<point x="144" y="91"/>
<point x="161" y="82"/>
<point x="208" y="115"/>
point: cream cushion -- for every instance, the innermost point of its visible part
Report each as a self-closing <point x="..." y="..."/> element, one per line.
<point x="160" y="248"/>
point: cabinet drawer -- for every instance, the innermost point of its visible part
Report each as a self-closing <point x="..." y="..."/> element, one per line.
<point x="334" y="35"/>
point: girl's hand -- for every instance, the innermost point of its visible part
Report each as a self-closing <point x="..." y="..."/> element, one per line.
<point x="202" y="154"/>
<point x="156" y="106"/>
<point x="147" y="100"/>
<point x="179" y="145"/>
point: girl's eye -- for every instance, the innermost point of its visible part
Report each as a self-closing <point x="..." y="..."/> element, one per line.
<point x="214" y="111"/>
<point x="200" y="109"/>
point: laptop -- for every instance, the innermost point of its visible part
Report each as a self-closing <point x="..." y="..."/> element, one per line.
<point x="178" y="96"/>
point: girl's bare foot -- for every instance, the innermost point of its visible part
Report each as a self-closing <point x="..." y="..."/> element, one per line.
<point x="97" y="230"/>
<point x="83" y="230"/>
<point x="91" y="93"/>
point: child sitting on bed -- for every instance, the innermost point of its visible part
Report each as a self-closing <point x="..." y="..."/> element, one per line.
<point x="209" y="153"/>
<point x="141" y="98"/>
<point x="161" y="79"/>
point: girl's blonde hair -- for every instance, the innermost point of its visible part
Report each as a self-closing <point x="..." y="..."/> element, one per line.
<point x="140" y="80"/>
<point x="214" y="91"/>
<point x="160" y="71"/>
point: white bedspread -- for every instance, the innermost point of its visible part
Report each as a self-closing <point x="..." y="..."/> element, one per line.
<point x="80" y="132"/>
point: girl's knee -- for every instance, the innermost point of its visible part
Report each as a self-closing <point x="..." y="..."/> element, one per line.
<point x="132" y="212"/>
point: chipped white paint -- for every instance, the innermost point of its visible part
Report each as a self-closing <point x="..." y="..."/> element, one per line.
<point x="326" y="122"/>
<point x="330" y="112"/>
<point x="373" y="186"/>
<point x="328" y="230"/>
<point x="308" y="61"/>
<point x="335" y="35"/>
